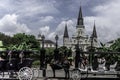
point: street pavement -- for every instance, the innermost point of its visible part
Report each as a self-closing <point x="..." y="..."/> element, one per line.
<point x="60" y="75"/>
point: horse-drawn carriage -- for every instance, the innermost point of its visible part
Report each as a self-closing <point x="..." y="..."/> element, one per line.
<point x="12" y="61"/>
<point x="96" y="68"/>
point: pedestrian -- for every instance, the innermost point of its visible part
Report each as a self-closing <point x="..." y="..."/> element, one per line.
<point x="84" y="61"/>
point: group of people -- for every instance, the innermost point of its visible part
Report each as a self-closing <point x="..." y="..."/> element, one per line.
<point x="96" y="61"/>
<point x="83" y="61"/>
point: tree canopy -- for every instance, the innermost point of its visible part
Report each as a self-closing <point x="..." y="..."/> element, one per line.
<point x="19" y="41"/>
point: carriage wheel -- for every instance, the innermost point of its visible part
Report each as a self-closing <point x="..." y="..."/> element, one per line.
<point x="75" y="74"/>
<point x="25" y="73"/>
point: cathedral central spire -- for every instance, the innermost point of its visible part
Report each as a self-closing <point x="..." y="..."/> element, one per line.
<point x="80" y="17"/>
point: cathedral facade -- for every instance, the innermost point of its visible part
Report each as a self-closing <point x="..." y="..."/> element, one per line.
<point x="80" y="38"/>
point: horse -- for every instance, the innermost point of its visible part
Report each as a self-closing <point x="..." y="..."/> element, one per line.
<point x="57" y="65"/>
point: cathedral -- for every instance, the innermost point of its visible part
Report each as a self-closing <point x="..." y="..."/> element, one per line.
<point x="84" y="41"/>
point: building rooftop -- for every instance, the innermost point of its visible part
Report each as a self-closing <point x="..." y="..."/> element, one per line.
<point x="49" y="41"/>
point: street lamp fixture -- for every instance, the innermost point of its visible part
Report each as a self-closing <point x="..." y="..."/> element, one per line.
<point x="42" y="57"/>
<point x="91" y="43"/>
<point x="43" y="38"/>
<point x="56" y="51"/>
<point x="90" y="55"/>
<point x="77" y="56"/>
<point x="78" y="38"/>
<point x="56" y="38"/>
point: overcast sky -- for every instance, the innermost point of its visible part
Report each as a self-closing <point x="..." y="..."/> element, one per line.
<point x="48" y="17"/>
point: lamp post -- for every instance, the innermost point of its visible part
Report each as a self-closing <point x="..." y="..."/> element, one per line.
<point x="56" y="51"/>
<point x="91" y="55"/>
<point x="56" y="38"/>
<point x="91" y="43"/>
<point x="43" y="38"/>
<point x="42" y="57"/>
<point x="77" y="56"/>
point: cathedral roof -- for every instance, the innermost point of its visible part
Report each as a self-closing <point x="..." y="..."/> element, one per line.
<point x="66" y="32"/>
<point x="49" y="42"/>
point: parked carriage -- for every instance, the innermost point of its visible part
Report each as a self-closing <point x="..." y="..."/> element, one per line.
<point x="13" y="61"/>
<point x="103" y="68"/>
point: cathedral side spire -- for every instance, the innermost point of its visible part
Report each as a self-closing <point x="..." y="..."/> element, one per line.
<point x="80" y="17"/>
<point x="66" y="37"/>
<point x="94" y="34"/>
<point x="66" y="32"/>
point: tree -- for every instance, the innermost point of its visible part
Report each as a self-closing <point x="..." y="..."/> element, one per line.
<point x="116" y="45"/>
<point x="23" y="41"/>
<point x="113" y="48"/>
<point x="49" y="51"/>
<point x="103" y="48"/>
<point x="116" y="48"/>
<point x="7" y="40"/>
<point x="64" y="51"/>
